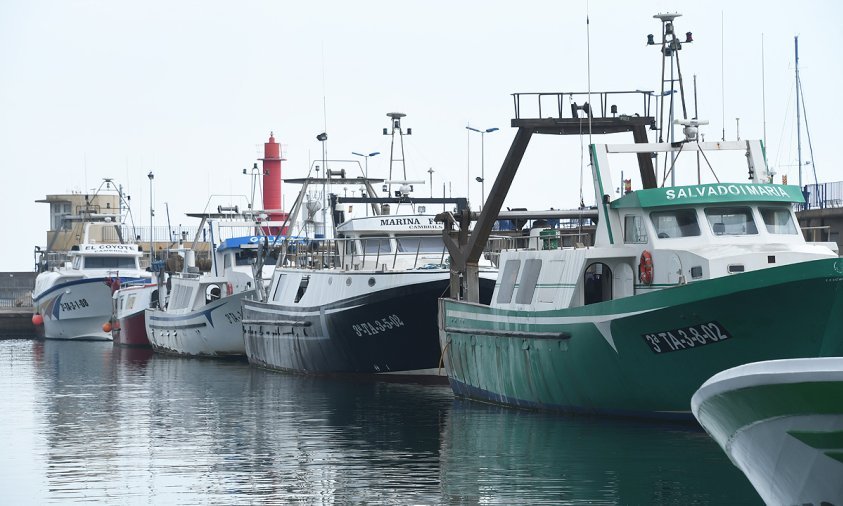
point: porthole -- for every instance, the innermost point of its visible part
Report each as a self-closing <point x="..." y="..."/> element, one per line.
<point x="347" y="281"/>
<point x="371" y="281"/>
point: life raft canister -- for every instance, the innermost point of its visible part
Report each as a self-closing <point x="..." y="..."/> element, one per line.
<point x="645" y="268"/>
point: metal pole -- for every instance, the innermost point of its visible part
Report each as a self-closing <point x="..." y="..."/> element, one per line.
<point x="798" y="111"/>
<point x="151" y="176"/>
<point x="430" y="171"/>
<point x="482" y="169"/>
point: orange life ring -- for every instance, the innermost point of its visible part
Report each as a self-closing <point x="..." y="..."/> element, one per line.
<point x="645" y="268"/>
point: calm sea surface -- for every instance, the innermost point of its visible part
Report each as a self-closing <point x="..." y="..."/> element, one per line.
<point x="85" y="421"/>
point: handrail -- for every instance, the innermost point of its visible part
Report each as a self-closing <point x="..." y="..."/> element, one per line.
<point x="603" y="109"/>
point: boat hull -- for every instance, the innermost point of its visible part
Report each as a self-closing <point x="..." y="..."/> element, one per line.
<point x="130" y="330"/>
<point x="77" y="309"/>
<point x="128" y="326"/>
<point x="213" y="331"/>
<point x="386" y="332"/>
<point x="780" y="422"/>
<point x="643" y="355"/>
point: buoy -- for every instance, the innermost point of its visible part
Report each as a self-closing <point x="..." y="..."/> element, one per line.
<point x="645" y="268"/>
<point x="106" y="327"/>
<point x="37" y="319"/>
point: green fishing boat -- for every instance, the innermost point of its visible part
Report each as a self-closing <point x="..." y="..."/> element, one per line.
<point x="679" y="283"/>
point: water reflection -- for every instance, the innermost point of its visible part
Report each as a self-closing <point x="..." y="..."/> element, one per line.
<point x="499" y="455"/>
<point x="97" y="422"/>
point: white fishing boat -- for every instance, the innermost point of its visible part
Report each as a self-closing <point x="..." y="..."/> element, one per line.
<point x="363" y="299"/>
<point x="73" y="294"/>
<point x="202" y="313"/>
<point x="781" y="423"/>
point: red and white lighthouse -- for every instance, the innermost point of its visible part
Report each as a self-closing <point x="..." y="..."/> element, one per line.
<point x="272" y="181"/>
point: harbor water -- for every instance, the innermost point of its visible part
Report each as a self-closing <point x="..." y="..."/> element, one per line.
<point x="87" y="421"/>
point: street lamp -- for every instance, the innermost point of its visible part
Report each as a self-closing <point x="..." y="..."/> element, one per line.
<point x="366" y="173"/>
<point x="482" y="178"/>
<point x="151" y="176"/>
<point x="366" y="157"/>
<point x="323" y="137"/>
<point x="431" y="171"/>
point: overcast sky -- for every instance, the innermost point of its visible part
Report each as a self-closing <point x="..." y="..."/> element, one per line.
<point x="190" y="90"/>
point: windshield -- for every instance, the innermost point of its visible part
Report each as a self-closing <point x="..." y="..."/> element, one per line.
<point x="731" y="220"/>
<point x="432" y="244"/>
<point x="105" y="262"/>
<point x="778" y="220"/>
<point x="675" y="223"/>
<point x="375" y="245"/>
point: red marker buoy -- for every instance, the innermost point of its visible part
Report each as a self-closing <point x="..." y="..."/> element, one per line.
<point x="37" y="319"/>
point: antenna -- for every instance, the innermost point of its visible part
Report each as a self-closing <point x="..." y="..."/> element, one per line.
<point x="588" y="66"/>
<point x="722" y="79"/>
<point x="763" y="97"/>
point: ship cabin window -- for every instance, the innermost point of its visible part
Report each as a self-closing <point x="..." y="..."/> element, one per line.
<point x="507" y="281"/>
<point x="633" y="229"/>
<point x="432" y="244"/>
<point x="597" y="284"/>
<point x="107" y="262"/>
<point x="529" y="277"/>
<point x="305" y="281"/>
<point x="675" y="223"/>
<point x="58" y="211"/>
<point x="153" y="299"/>
<point x="77" y="263"/>
<point x="245" y="257"/>
<point x="226" y="261"/>
<point x="778" y="220"/>
<point x="278" y="285"/>
<point x="375" y="245"/>
<point x="731" y="220"/>
<point x="180" y="297"/>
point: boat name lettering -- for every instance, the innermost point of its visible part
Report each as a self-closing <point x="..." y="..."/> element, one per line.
<point x="686" y="337"/>
<point x="412" y="223"/>
<point x="732" y="189"/>
<point x="73" y="305"/>
<point x="373" y="327"/>
<point x="234" y="317"/>
<point x="109" y="247"/>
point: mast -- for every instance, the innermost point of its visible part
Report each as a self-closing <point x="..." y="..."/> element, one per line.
<point x="670" y="47"/>
<point x="798" y="111"/>
<point x="395" y="119"/>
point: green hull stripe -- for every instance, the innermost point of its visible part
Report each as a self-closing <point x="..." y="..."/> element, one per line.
<point x="838" y="456"/>
<point x="820" y="440"/>
<point x="725" y="414"/>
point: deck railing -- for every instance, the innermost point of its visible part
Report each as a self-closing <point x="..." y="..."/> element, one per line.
<point x="561" y="105"/>
<point x="823" y="195"/>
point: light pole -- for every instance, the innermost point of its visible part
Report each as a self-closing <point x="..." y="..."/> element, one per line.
<point x="323" y="137"/>
<point x="366" y="157"/>
<point x="482" y="178"/>
<point x="151" y="176"/>
<point x="431" y="171"/>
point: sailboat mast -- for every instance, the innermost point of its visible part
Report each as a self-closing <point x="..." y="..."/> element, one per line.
<point x="798" y="111"/>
